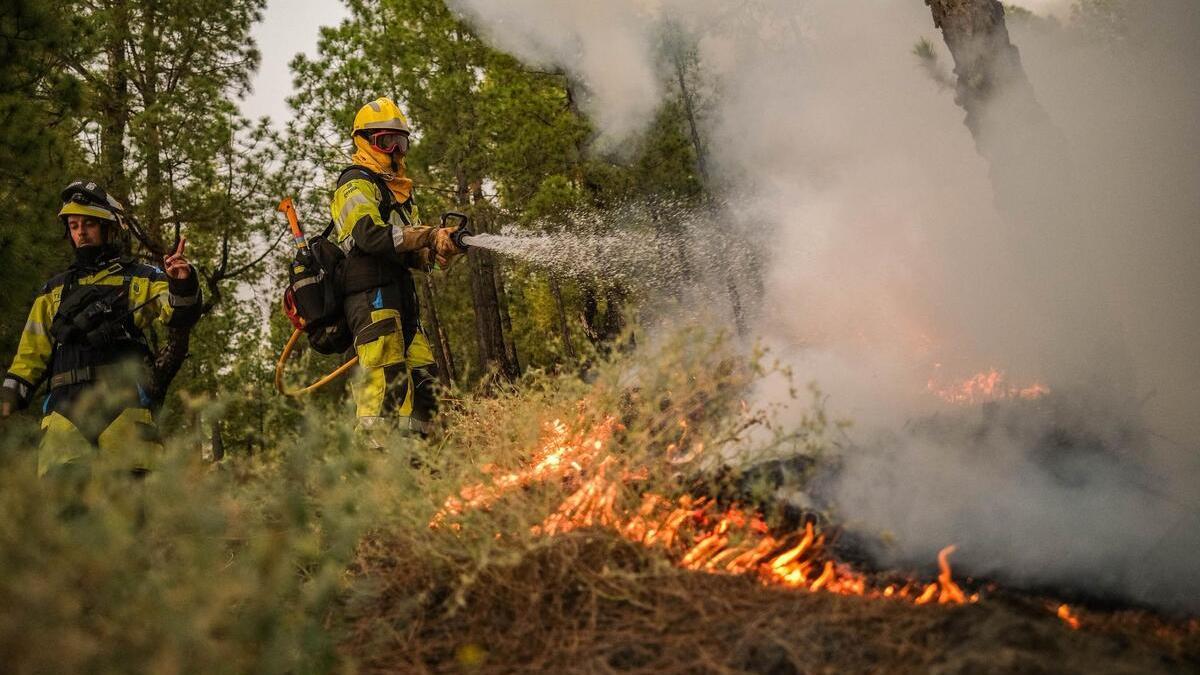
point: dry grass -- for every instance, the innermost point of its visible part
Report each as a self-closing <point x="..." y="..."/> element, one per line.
<point x="590" y="602"/>
<point x="317" y="556"/>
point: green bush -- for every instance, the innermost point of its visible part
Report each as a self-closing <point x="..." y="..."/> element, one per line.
<point x="268" y="563"/>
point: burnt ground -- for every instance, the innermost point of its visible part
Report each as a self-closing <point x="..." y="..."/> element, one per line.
<point x="592" y="603"/>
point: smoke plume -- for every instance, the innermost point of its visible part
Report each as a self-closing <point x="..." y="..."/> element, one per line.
<point x="898" y="270"/>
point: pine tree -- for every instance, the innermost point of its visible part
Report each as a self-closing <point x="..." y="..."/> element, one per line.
<point x="37" y="107"/>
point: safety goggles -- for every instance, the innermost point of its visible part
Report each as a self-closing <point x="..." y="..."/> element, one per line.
<point x="90" y="194"/>
<point x="390" y="142"/>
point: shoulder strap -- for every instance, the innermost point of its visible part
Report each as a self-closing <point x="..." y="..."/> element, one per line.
<point x="387" y="202"/>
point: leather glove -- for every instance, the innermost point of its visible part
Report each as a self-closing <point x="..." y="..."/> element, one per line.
<point x="443" y="243"/>
<point x="444" y="248"/>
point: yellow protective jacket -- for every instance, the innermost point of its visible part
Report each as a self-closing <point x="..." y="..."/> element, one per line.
<point x="152" y="299"/>
<point x="368" y="220"/>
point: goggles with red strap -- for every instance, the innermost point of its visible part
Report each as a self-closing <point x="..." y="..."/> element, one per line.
<point x="389" y="141"/>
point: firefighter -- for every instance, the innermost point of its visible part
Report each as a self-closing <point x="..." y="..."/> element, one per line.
<point x="86" y="337"/>
<point x="377" y="226"/>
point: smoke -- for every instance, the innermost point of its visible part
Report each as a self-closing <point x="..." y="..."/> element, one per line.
<point x="895" y="270"/>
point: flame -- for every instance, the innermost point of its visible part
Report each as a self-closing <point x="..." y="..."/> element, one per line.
<point x="696" y="533"/>
<point x="1064" y="613"/>
<point x="982" y="387"/>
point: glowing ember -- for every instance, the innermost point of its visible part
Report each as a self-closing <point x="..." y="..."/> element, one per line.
<point x="1064" y="613"/>
<point x="983" y="387"/>
<point x="696" y="533"/>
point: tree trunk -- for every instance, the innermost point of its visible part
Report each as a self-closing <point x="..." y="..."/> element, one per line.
<point x="1028" y="155"/>
<point x="114" y="106"/>
<point x="1035" y="191"/>
<point x="689" y="109"/>
<point x="510" y="345"/>
<point x="152" y="205"/>
<point x="591" y="307"/>
<point x="489" y="329"/>
<point x="614" y="318"/>
<point x="564" y="328"/>
<point x="730" y="261"/>
<point x="441" y="344"/>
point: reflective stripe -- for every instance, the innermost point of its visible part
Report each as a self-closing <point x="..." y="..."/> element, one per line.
<point x="398" y="239"/>
<point x="355" y="200"/>
<point x="35" y="328"/>
<point x="16" y="385"/>
<point x="183" y="300"/>
<point x="414" y="424"/>
<point x="399" y="215"/>
<point x="394" y="123"/>
<point x="308" y="281"/>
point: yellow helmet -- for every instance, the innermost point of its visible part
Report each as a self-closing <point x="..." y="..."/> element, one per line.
<point x="380" y="114"/>
<point x="86" y="198"/>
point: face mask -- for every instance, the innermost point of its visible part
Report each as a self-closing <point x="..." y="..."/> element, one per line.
<point x="88" y="256"/>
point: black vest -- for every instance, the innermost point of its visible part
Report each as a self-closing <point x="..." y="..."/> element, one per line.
<point x="363" y="271"/>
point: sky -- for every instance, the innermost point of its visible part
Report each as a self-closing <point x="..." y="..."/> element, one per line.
<point x="288" y="28"/>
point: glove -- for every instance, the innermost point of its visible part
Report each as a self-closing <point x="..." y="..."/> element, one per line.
<point x="444" y="248"/>
<point x="443" y="242"/>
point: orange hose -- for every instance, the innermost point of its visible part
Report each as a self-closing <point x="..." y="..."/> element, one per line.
<point x="287" y="351"/>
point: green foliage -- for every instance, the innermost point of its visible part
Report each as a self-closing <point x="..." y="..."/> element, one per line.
<point x="263" y="563"/>
<point x="36" y="103"/>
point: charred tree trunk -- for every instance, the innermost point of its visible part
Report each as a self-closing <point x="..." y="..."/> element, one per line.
<point x="488" y="326"/>
<point x="1028" y="155"/>
<point x="1034" y="189"/>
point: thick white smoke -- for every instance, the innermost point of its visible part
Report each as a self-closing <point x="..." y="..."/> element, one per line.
<point x="894" y="270"/>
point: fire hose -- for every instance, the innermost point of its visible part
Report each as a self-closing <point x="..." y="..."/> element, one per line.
<point x="329" y="377"/>
<point x="286" y="206"/>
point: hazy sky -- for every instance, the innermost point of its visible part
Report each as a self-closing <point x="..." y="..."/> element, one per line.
<point x="291" y="26"/>
<point x="288" y="27"/>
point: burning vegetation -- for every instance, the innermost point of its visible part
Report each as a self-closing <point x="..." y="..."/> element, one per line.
<point x="983" y="387"/>
<point x="600" y="541"/>
<point x="696" y="533"/>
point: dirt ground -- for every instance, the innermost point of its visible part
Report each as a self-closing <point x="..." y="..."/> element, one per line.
<point x="589" y="603"/>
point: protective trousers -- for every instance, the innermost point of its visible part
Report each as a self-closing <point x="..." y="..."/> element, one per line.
<point x="395" y="389"/>
<point x="130" y="442"/>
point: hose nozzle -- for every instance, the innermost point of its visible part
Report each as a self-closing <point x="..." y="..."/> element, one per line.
<point x="459" y="221"/>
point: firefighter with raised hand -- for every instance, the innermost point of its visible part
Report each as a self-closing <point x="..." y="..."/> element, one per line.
<point x="87" y="338"/>
<point x="377" y="226"/>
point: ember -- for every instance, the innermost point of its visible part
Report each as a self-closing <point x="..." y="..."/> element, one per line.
<point x="983" y="387"/>
<point x="696" y="533"/>
<point x="1064" y="613"/>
